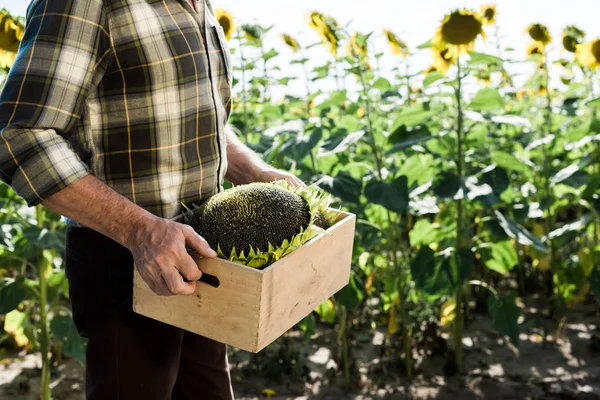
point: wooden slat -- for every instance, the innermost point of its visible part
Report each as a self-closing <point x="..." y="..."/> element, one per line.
<point x="302" y="280"/>
<point x="228" y="314"/>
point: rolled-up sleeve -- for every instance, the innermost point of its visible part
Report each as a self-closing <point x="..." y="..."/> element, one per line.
<point x="64" y="53"/>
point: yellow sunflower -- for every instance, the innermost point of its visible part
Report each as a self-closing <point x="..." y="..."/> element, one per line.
<point x="588" y="54"/>
<point x="253" y="32"/>
<point x="7" y="58"/>
<point x="399" y="48"/>
<point x="571" y="38"/>
<point x="11" y="33"/>
<point x="430" y="69"/>
<point x="488" y="14"/>
<point x="539" y="33"/>
<point x="458" y="32"/>
<point x="536" y="48"/>
<point x="226" y="21"/>
<point x="484" y="75"/>
<point x="443" y="59"/>
<point x="356" y="48"/>
<point x="327" y="28"/>
<point x="290" y="41"/>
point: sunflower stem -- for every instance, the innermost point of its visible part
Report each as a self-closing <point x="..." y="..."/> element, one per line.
<point x="549" y="222"/>
<point x="459" y="295"/>
<point x="43" y="299"/>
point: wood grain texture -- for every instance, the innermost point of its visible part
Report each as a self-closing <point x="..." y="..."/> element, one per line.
<point x="251" y="308"/>
<point x="228" y="314"/>
<point x="304" y="279"/>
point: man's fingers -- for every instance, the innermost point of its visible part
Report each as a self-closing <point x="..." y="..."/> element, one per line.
<point x="176" y="284"/>
<point x="198" y="243"/>
<point x="188" y="267"/>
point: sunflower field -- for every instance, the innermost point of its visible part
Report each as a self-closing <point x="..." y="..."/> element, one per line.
<point x="477" y="204"/>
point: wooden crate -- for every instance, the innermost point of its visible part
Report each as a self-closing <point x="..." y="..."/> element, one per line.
<point x="251" y="308"/>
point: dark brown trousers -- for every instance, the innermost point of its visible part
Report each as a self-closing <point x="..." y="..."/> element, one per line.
<point x="128" y="356"/>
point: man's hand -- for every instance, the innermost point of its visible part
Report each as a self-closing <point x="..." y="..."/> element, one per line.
<point x="246" y="167"/>
<point x="273" y="174"/>
<point x="160" y="255"/>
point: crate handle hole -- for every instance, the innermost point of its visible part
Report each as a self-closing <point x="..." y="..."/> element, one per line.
<point x="210" y="280"/>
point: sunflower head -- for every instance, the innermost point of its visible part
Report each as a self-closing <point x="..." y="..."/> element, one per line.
<point x="443" y="59"/>
<point x="399" y="48"/>
<point x="488" y="14"/>
<point x="484" y="75"/>
<point x="571" y="38"/>
<point x="7" y="58"/>
<point x="226" y="21"/>
<point x="253" y="32"/>
<point x="536" y="48"/>
<point x="327" y="27"/>
<point x="539" y="33"/>
<point x="430" y="69"/>
<point x="458" y="31"/>
<point x="11" y="32"/>
<point x="588" y="54"/>
<point x="357" y="46"/>
<point x="291" y="42"/>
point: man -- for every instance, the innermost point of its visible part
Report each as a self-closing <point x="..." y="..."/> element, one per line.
<point x="113" y="115"/>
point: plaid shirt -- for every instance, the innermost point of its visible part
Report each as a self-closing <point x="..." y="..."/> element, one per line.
<point x="135" y="92"/>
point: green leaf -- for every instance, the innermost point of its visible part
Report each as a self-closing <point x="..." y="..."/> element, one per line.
<point x="462" y="262"/>
<point x="484" y="59"/>
<point x="592" y="186"/>
<point x="411" y="116"/>
<point x="500" y="257"/>
<point x="382" y="85"/>
<point x="505" y="316"/>
<point x="572" y="170"/>
<point x="64" y="331"/>
<point x="428" y="44"/>
<point x="308" y="326"/>
<point x="593" y="103"/>
<point x="352" y="294"/>
<point x="344" y="144"/>
<point x="518" y="232"/>
<point x="497" y="178"/>
<point x="423" y="233"/>
<point x="326" y="311"/>
<point x="337" y="98"/>
<point x="446" y="185"/>
<point x="12" y="294"/>
<point x="423" y="269"/>
<point x="342" y="186"/>
<point x="270" y="54"/>
<point x="440" y="276"/>
<point x="432" y="78"/>
<point x="404" y="137"/>
<point x="393" y="196"/>
<point x="508" y="161"/>
<point x="15" y="323"/>
<point x="419" y="168"/>
<point x="487" y="99"/>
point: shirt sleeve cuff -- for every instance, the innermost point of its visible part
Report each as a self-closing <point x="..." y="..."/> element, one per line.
<point x="48" y="171"/>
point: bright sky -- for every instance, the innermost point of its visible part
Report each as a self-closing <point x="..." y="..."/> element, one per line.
<point x="413" y="21"/>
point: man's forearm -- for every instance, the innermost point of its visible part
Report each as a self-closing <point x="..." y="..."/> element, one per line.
<point x="243" y="164"/>
<point x="92" y="203"/>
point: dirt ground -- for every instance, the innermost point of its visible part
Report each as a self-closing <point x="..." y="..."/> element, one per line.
<point x="567" y="367"/>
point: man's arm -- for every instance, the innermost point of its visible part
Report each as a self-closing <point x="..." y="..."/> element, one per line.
<point x="157" y="244"/>
<point x="65" y="49"/>
<point x="245" y="166"/>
